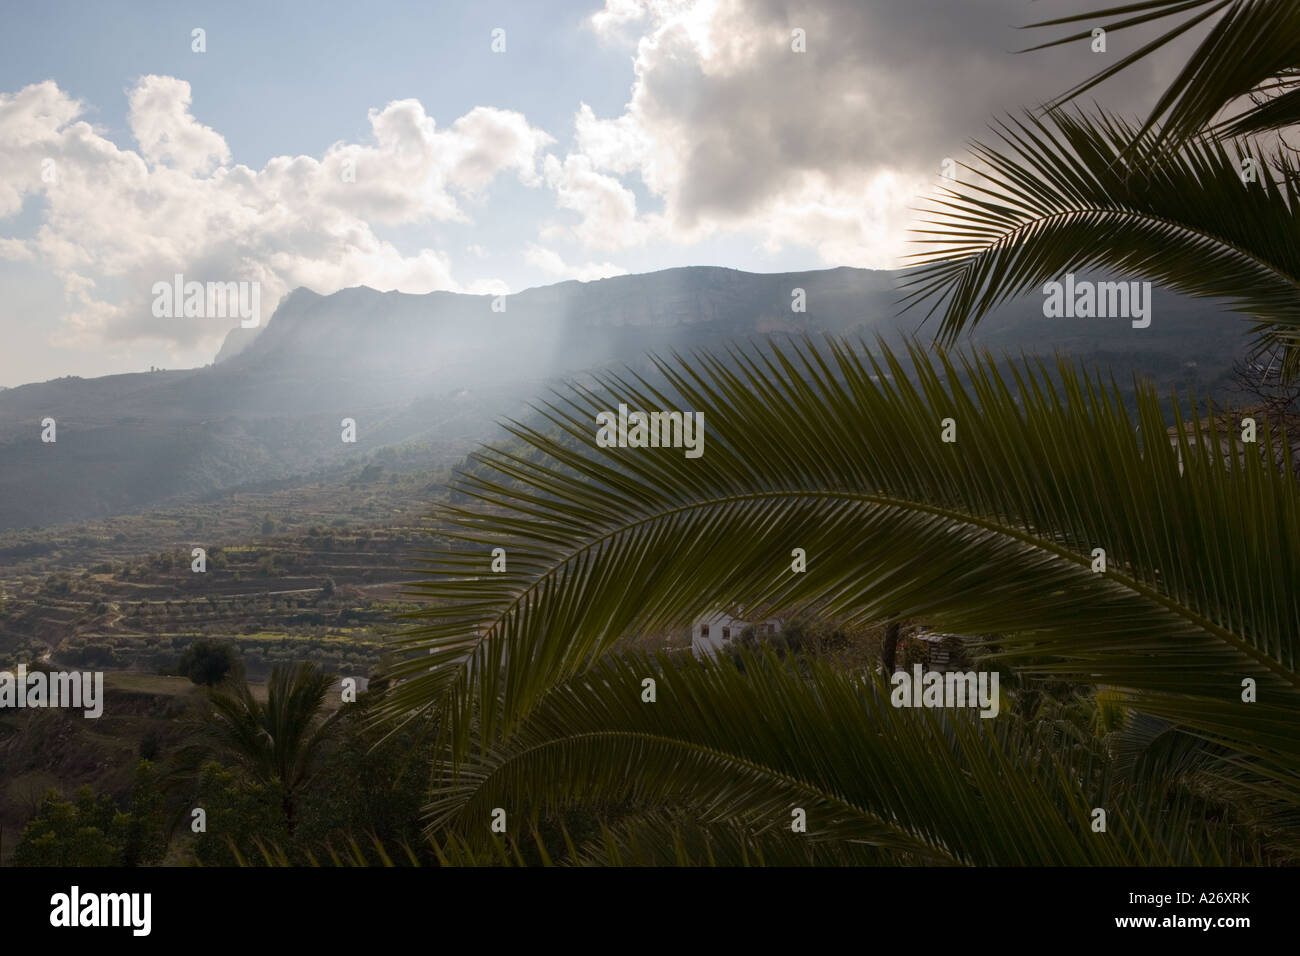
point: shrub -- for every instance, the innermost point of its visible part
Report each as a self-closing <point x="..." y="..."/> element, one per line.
<point x="208" y="662"/>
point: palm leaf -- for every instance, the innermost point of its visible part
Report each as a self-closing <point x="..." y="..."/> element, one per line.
<point x="274" y="742"/>
<point x="1060" y="196"/>
<point x="829" y="449"/>
<point x="1154" y="756"/>
<point x="1252" y="44"/>
<point x="729" y="753"/>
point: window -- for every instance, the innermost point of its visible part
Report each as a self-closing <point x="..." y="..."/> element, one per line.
<point x="726" y="633"/>
<point x="704" y="630"/>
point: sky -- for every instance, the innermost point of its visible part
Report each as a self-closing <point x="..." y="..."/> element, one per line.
<point x="480" y="147"/>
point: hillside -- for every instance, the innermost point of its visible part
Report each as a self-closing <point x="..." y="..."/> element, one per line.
<point x="441" y="368"/>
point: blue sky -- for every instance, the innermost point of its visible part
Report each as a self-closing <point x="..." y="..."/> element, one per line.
<point x="283" y="77"/>
<point x="607" y="138"/>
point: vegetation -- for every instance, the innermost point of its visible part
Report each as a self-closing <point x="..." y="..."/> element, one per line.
<point x="274" y="744"/>
<point x="1159" y="690"/>
<point x="92" y="831"/>
<point x="209" y="662"/>
<point x="1209" y="209"/>
<point x="836" y="451"/>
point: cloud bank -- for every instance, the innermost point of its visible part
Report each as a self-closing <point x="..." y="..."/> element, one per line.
<point x="812" y="125"/>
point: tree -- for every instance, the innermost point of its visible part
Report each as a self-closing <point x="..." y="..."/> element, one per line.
<point x="239" y="814"/>
<point x="90" y="830"/>
<point x="889" y="653"/>
<point x="1065" y="193"/>
<point x="1259" y="378"/>
<point x="1253" y="53"/>
<point x="1191" y="629"/>
<point x="395" y="769"/>
<point x="274" y="744"/>
<point x="84" y="832"/>
<point x="209" y="662"/>
<point x="838" y="450"/>
<point x="144" y="829"/>
<point x="879" y="785"/>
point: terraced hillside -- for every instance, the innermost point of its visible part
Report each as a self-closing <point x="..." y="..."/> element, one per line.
<point x="313" y="571"/>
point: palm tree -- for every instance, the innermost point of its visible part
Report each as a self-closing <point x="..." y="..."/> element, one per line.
<point x="274" y="743"/>
<point x="833" y="449"/>
<point x="1183" y="646"/>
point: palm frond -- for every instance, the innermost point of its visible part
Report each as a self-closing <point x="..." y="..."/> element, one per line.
<point x="732" y="752"/>
<point x="1252" y="43"/>
<point x="273" y="742"/>
<point x="1059" y="195"/>
<point x="1154" y="756"/>
<point x="835" y="451"/>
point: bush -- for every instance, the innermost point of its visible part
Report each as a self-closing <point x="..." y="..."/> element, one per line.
<point x="64" y="833"/>
<point x="150" y="744"/>
<point x="92" y="831"/>
<point x="208" y="662"/>
<point x="239" y="814"/>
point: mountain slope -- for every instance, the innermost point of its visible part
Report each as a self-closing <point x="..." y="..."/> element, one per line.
<point x="445" y="366"/>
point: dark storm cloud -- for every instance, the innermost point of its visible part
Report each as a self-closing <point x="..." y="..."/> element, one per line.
<point x="887" y="83"/>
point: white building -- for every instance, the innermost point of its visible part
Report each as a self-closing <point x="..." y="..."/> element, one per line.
<point x="712" y="632"/>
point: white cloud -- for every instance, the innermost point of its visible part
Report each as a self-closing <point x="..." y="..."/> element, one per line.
<point x="607" y="208"/>
<point x="16" y="250"/>
<point x="115" y="220"/>
<point x="487" y="287"/>
<point x="548" y="260"/>
<point x="735" y="132"/>
<point x="160" y="120"/>
<point x="487" y="141"/>
<point x="617" y="16"/>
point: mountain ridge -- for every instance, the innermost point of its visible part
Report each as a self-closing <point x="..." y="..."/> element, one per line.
<point x="444" y="366"/>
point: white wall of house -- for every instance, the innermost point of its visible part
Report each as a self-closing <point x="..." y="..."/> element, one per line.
<point x="709" y="634"/>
